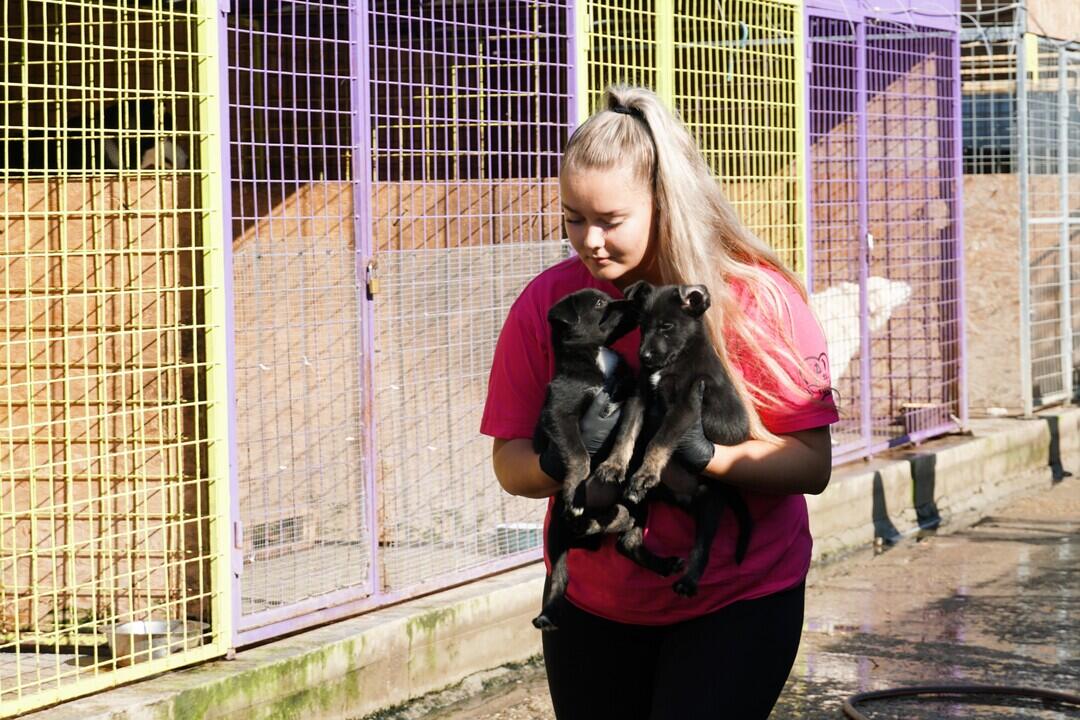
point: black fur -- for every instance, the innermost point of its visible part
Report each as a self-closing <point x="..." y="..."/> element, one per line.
<point x="581" y="324"/>
<point x="680" y="375"/>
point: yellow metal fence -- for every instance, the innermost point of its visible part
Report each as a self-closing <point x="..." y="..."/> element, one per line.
<point x="733" y="71"/>
<point x="112" y="370"/>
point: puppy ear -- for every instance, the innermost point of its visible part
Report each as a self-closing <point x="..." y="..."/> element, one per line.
<point x="638" y="293"/>
<point x="564" y="311"/>
<point x="695" y="299"/>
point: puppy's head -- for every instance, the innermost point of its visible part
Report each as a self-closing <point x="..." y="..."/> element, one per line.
<point x="671" y="318"/>
<point x="590" y="318"/>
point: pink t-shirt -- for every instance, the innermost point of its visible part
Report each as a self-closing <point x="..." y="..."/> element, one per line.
<point x="604" y="582"/>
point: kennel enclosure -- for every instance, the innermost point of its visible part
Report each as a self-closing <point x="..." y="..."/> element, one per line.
<point x="1022" y="149"/>
<point x="885" y="267"/>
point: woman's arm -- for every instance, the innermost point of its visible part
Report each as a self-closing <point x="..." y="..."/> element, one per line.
<point x="801" y="463"/>
<point x="517" y="468"/>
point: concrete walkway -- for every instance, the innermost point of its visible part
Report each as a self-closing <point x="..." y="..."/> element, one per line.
<point x="385" y="658"/>
<point x="996" y="603"/>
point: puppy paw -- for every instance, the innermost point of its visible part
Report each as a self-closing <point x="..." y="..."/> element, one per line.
<point x="543" y="622"/>
<point x="685" y="586"/>
<point x="640" y="484"/>
<point x="608" y="474"/>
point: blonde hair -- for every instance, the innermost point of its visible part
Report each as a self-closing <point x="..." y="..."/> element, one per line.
<point x="699" y="238"/>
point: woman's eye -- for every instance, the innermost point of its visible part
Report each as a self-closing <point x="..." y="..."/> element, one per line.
<point x="572" y="221"/>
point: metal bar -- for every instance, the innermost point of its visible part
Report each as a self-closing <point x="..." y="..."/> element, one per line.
<point x="958" y="220"/>
<point x="864" y="240"/>
<point x="362" y="187"/>
<point x="234" y="545"/>
<point x="1026" y="380"/>
<point x="665" y="51"/>
<point x="802" y="143"/>
<point x="580" y="37"/>
<point x="1065" y="266"/>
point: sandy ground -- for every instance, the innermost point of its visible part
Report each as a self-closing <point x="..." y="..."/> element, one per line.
<point x="995" y="603"/>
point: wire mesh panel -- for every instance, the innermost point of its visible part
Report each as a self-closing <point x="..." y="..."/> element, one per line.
<point x="1051" y="98"/>
<point x="621" y="45"/>
<point x="991" y="182"/>
<point x="299" y="313"/>
<point x="471" y="104"/>
<point x="838" y="214"/>
<point x="1021" y="149"/>
<point x="112" y="396"/>
<point x="913" y="212"/>
<point x="737" y="88"/>
<point x="731" y="69"/>
<point x="884" y="214"/>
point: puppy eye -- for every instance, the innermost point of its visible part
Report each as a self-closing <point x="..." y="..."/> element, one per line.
<point x="600" y="302"/>
<point x="666" y="327"/>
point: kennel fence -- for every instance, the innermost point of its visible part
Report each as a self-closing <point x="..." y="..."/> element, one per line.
<point x="732" y="69"/>
<point x="393" y="189"/>
<point x="113" y="397"/>
<point x="1021" y="95"/>
<point x="885" y="264"/>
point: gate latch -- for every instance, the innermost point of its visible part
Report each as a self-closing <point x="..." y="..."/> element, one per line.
<point x="371" y="278"/>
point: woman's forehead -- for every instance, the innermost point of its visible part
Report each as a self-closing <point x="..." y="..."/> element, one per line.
<point x="605" y="191"/>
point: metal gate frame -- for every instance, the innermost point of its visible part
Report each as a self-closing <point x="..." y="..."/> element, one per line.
<point x="210" y="296"/>
<point x="1028" y="69"/>
<point x="375" y="590"/>
<point x="919" y="425"/>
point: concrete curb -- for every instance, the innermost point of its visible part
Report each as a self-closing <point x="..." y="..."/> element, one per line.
<point x="358" y="666"/>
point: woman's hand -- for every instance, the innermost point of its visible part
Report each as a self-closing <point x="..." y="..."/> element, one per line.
<point x="596" y="427"/>
<point x="521" y="471"/>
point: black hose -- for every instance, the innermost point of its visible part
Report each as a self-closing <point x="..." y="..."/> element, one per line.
<point x="1033" y="693"/>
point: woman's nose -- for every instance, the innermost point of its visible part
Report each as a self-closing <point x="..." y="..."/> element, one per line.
<point x="594" y="237"/>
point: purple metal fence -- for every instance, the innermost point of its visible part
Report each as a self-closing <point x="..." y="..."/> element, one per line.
<point x="301" y="361"/>
<point x="393" y="189"/>
<point x="471" y="103"/>
<point x="886" y="261"/>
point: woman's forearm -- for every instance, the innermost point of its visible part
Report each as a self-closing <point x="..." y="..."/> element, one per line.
<point x="801" y="463"/>
<point x="517" y="468"/>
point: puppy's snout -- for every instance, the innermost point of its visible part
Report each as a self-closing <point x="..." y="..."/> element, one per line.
<point x="646" y="355"/>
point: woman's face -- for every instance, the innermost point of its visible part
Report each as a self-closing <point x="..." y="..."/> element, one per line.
<point x="610" y="222"/>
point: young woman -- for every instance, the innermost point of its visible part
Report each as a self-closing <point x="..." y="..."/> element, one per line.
<point x="639" y="203"/>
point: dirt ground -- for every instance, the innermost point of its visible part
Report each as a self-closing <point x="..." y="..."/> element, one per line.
<point x="995" y="603"/>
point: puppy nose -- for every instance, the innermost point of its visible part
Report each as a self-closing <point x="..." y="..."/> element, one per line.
<point x="646" y="355"/>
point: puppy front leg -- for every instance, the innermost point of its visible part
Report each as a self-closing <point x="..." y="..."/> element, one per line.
<point x="662" y="446"/>
<point x="566" y="435"/>
<point x="613" y="469"/>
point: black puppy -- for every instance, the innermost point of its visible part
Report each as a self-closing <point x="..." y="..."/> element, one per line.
<point x="582" y="324"/>
<point x="682" y="377"/>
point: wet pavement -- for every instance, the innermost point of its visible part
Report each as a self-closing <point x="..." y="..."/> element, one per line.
<point x="995" y="603"/>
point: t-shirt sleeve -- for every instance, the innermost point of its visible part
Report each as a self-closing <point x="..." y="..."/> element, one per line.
<point x="520" y="372"/>
<point x="810" y="403"/>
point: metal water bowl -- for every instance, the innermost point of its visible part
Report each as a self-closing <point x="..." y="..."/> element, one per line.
<point x="144" y="640"/>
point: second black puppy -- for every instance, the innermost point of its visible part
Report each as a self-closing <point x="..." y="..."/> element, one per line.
<point x="682" y="378"/>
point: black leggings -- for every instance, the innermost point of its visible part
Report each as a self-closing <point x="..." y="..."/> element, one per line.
<point x="731" y="664"/>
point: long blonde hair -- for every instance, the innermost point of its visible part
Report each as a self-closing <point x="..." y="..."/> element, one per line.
<point x="699" y="238"/>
